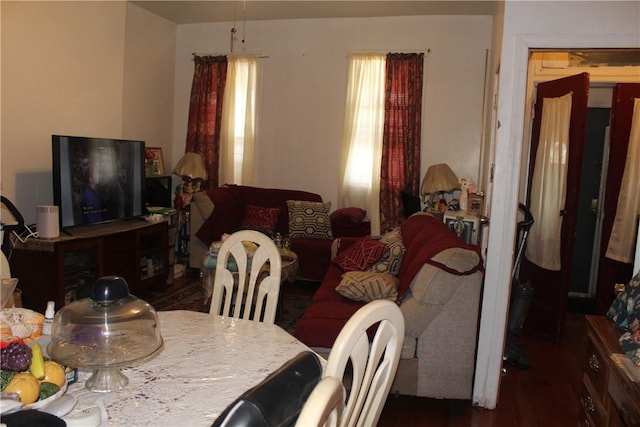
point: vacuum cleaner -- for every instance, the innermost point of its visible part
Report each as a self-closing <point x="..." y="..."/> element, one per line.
<point x="521" y="294"/>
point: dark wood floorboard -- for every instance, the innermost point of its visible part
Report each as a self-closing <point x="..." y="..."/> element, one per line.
<point x="545" y="395"/>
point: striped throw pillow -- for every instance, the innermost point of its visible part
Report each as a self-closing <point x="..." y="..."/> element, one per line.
<point x="367" y="286"/>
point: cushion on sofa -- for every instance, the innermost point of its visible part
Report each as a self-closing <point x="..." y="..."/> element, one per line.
<point x="362" y="255"/>
<point x="260" y="218"/>
<point x="349" y="222"/>
<point x="391" y="261"/>
<point x="347" y="216"/>
<point x="368" y="286"/>
<point x="309" y="219"/>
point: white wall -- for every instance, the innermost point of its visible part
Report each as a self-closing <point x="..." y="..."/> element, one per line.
<point x="149" y="58"/>
<point x="65" y="70"/>
<point x="303" y="81"/>
<point x="530" y="25"/>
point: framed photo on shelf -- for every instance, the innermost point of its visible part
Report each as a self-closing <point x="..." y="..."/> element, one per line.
<point x="154" y="161"/>
<point x="476" y="204"/>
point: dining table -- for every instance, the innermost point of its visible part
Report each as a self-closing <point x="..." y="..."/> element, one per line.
<point x="207" y="361"/>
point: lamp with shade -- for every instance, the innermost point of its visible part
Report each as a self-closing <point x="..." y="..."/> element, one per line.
<point x="192" y="169"/>
<point x="438" y="179"/>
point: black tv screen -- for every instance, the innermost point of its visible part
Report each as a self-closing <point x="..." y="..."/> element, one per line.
<point x="97" y="179"/>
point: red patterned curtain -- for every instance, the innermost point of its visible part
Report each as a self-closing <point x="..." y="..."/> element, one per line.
<point x="205" y="112"/>
<point x="400" y="169"/>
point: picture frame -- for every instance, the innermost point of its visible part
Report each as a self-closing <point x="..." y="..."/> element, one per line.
<point x="476" y="204"/>
<point x="154" y="161"/>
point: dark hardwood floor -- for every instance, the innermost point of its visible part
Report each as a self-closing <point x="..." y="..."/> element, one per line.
<point x="545" y="395"/>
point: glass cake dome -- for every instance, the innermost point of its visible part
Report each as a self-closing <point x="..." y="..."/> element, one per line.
<point x="105" y="332"/>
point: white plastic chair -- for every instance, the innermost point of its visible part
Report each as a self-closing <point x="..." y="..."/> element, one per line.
<point x="373" y="364"/>
<point x="252" y="291"/>
<point x="324" y="406"/>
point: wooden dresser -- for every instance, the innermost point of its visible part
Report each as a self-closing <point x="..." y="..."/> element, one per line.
<point x="611" y="392"/>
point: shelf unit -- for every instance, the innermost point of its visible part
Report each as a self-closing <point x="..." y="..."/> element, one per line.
<point x="64" y="269"/>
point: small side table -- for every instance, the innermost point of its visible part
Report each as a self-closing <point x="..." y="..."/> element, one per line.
<point x="288" y="266"/>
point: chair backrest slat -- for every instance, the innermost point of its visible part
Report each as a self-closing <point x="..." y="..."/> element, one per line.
<point x="247" y="285"/>
<point x="374" y="363"/>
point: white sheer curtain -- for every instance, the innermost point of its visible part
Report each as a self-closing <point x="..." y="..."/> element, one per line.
<point x="622" y="240"/>
<point x="549" y="183"/>
<point x="237" y="141"/>
<point x="362" y="141"/>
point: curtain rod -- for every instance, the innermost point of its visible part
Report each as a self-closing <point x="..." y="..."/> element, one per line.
<point x="259" y="55"/>
<point x="373" y="52"/>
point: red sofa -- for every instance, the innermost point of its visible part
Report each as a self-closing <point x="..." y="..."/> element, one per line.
<point x="440" y="283"/>
<point x="222" y="210"/>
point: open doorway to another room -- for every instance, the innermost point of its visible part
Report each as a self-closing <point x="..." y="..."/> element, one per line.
<point x="582" y="286"/>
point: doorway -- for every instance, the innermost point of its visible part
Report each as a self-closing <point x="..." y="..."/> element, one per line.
<point x="584" y="272"/>
<point x="580" y="278"/>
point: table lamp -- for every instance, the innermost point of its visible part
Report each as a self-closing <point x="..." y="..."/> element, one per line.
<point x="193" y="170"/>
<point x="437" y="180"/>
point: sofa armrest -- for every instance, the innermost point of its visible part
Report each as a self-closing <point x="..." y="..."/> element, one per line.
<point x="200" y="209"/>
<point x="451" y="317"/>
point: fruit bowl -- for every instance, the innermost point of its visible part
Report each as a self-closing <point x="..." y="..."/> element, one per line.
<point x="9" y="406"/>
<point x="40" y="404"/>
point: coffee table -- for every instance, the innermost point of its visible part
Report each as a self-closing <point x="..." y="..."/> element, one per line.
<point x="288" y="266"/>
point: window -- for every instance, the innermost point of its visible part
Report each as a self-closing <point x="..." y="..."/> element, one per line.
<point x="238" y="123"/>
<point x="364" y="120"/>
<point x="382" y="138"/>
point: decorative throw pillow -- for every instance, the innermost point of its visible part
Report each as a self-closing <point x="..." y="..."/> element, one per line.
<point x="361" y="255"/>
<point x="368" y="286"/>
<point x="260" y="218"/>
<point x="309" y="219"/>
<point x="390" y="262"/>
<point x="348" y="216"/>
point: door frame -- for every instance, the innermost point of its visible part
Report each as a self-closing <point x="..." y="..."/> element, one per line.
<point x="507" y="173"/>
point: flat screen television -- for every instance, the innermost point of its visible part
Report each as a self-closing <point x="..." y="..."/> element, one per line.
<point x="96" y="180"/>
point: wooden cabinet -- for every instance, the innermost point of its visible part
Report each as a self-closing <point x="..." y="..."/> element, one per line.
<point x="625" y="398"/>
<point x="609" y="396"/>
<point x="64" y="269"/>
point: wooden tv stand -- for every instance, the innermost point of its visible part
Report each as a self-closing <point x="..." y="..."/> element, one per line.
<point x="64" y="269"/>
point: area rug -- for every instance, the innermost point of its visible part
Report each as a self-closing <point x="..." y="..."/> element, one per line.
<point x="188" y="296"/>
<point x="191" y="297"/>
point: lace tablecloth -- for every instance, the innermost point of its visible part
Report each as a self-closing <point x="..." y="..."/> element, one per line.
<point x="206" y="363"/>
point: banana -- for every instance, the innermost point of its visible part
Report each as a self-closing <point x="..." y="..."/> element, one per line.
<point x="37" y="362"/>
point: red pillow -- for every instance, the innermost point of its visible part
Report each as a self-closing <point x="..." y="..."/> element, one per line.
<point x="348" y="216"/>
<point x="361" y="255"/>
<point x="260" y="218"/>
